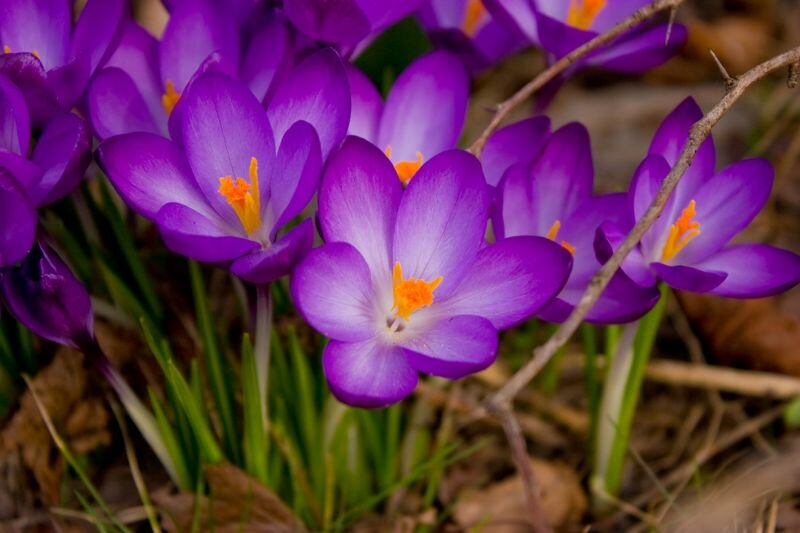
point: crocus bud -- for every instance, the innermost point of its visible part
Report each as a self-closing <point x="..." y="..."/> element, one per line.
<point x="44" y="295"/>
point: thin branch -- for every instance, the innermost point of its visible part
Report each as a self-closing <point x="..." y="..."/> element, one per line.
<point x="505" y="107"/>
<point x="698" y="133"/>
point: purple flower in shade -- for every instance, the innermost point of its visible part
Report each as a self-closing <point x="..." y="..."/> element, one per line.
<point x="405" y="282"/>
<point x="144" y="78"/>
<point x="686" y="247"/>
<point x="52" y="170"/>
<point x="552" y="197"/>
<point x="346" y="23"/>
<point x="44" y="295"/>
<point x="222" y="192"/>
<point x="423" y="114"/>
<point x="469" y="30"/>
<point x="48" y="58"/>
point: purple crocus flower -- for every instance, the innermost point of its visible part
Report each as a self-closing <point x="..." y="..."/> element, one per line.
<point x="52" y="170"/>
<point x="405" y="282"/>
<point x="552" y="197"/>
<point x="144" y="78"/>
<point x="48" y="58"/>
<point x="222" y="192"/>
<point x="423" y="114"/>
<point x="468" y="29"/>
<point x="44" y="295"/>
<point x="686" y="247"/>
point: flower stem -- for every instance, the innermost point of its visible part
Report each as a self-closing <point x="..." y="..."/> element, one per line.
<point x="263" y="331"/>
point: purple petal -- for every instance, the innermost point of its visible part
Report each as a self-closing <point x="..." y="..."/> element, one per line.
<point x="510" y="280"/>
<point x="149" y="172"/>
<point x="116" y="106"/>
<point x="452" y="347"/>
<point x="266" y="265"/>
<point x="27" y="73"/>
<point x="383" y="13"/>
<point x="68" y="82"/>
<point x="96" y="30"/>
<point x="316" y="91"/>
<point x="607" y="239"/>
<point x="224" y="126"/>
<point x="333" y="21"/>
<point x="260" y="70"/>
<point x="18" y="220"/>
<point x="754" y="270"/>
<point x="189" y="233"/>
<point x="332" y="288"/>
<point x="615" y="12"/>
<point x="358" y="201"/>
<point x="366" y="107"/>
<point x="64" y="153"/>
<point x="425" y="109"/>
<point x="686" y="278"/>
<point x="643" y="50"/>
<point x="15" y="124"/>
<point x="517" y="15"/>
<point x="367" y="373"/>
<point x="559" y="38"/>
<point x="25" y="173"/>
<point x="645" y="184"/>
<point x="297" y="169"/>
<point x="441" y="220"/>
<point x="516" y="143"/>
<point x="41" y="25"/>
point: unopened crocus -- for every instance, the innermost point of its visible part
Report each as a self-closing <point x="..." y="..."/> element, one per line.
<point x="552" y="197"/>
<point x="469" y="30"/>
<point x="51" y="171"/>
<point x="687" y="247"/>
<point x="423" y="114"/>
<point x="405" y="282"/>
<point x="48" y="57"/>
<point x="221" y="191"/>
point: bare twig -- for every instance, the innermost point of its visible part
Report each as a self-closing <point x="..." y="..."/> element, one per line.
<point x="698" y="133"/>
<point x="505" y="107"/>
<point x="730" y="81"/>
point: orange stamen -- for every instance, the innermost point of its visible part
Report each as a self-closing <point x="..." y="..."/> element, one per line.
<point x="406" y="169"/>
<point x="582" y="13"/>
<point x="552" y="233"/>
<point x="244" y="197"/>
<point x="473" y="17"/>
<point x="681" y="232"/>
<point x="6" y="49"/>
<point x="170" y="97"/>
<point x="411" y="294"/>
<point x="35" y="54"/>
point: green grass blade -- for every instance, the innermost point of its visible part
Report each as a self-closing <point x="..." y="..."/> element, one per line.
<point x="171" y="442"/>
<point x="255" y="440"/>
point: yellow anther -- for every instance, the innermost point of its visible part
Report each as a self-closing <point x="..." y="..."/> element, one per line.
<point x="6" y="49"/>
<point x="552" y="233"/>
<point x="244" y="197"/>
<point x="681" y="232"/>
<point x="411" y="294"/>
<point x="473" y="16"/>
<point x="406" y="169"/>
<point x="582" y="13"/>
<point x="170" y="97"/>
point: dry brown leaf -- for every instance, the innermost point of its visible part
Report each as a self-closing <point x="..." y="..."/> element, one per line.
<point x="746" y="333"/>
<point x="501" y="507"/>
<point x="238" y="503"/>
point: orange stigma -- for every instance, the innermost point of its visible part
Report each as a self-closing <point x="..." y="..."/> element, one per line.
<point x="552" y="233"/>
<point x="681" y="232"/>
<point x="411" y="294"/>
<point x="406" y="169"/>
<point x="582" y="13"/>
<point x="244" y="197"/>
<point x="170" y="97"/>
<point x="473" y="17"/>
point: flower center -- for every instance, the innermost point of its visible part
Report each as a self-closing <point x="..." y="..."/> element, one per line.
<point x="582" y="13"/>
<point x="681" y="232"/>
<point x="7" y="50"/>
<point x="244" y="197"/>
<point x="170" y="97"/>
<point x="473" y="17"/>
<point x="411" y="294"/>
<point x="406" y="169"/>
<point x="552" y="233"/>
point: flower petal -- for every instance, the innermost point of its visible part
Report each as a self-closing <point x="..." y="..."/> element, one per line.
<point x="332" y="288"/>
<point x="15" y="124"/>
<point x="368" y="374"/>
<point x="27" y="73"/>
<point x="425" y="109"/>
<point x="259" y="70"/>
<point x="367" y="105"/>
<point x="266" y="265"/>
<point x="452" y="347"/>
<point x="18" y="220"/>
<point x="442" y="219"/>
<point x="510" y="280"/>
<point x="97" y="28"/>
<point x="641" y="50"/>
<point x="333" y="21"/>
<point x="316" y="90"/>
<point x="116" y="106"/>
<point x="137" y="56"/>
<point x="63" y="153"/>
<point x="40" y="25"/>
<point x="754" y="270"/>
<point x="688" y="278"/>
<point x="520" y="142"/>
<point x="608" y="238"/>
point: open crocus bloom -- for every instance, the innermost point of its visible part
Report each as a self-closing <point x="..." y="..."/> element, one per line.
<point x="143" y="80"/>
<point x="686" y="247"/>
<point x="405" y="282"/>
<point x="469" y="30"/>
<point x="423" y="115"/>
<point x="222" y="192"/>
<point x="46" y="57"/>
<point x="552" y="197"/>
<point x="27" y="182"/>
